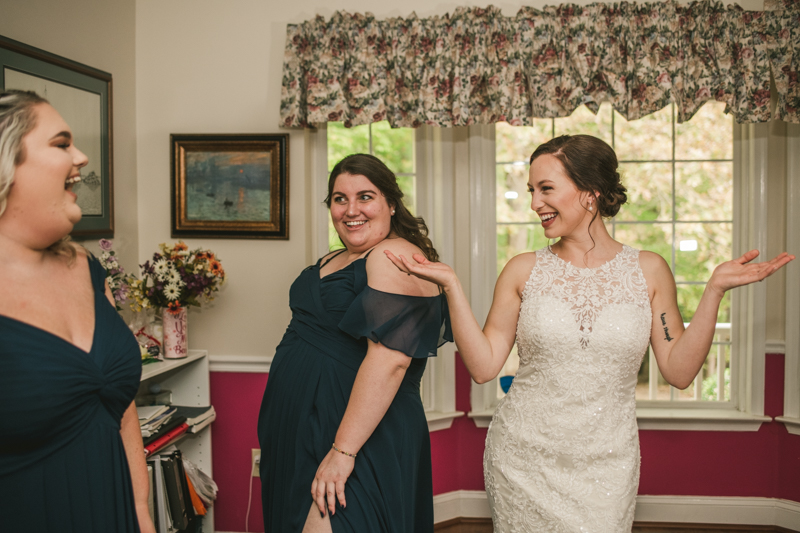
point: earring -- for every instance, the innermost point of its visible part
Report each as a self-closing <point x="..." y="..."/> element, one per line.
<point x="590" y="205"/>
<point x="392" y="212"/>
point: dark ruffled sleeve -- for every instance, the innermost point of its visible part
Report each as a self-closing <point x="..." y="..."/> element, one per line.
<point x="414" y="325"/>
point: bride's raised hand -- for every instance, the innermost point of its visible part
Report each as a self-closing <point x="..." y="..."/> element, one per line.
<point x="738" y="272"/>
<point x="438" y="273"/>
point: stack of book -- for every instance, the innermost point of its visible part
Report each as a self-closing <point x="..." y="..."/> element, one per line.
<point x="175" y="506"/>
<point x="162" y="425"/>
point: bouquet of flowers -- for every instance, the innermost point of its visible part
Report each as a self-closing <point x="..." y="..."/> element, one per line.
<point x="176" y="278"/>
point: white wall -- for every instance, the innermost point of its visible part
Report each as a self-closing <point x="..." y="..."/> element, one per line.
<point x="99" y="34"/>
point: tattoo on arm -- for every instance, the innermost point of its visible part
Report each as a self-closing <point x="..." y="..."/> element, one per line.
<point x="666" y="329"/>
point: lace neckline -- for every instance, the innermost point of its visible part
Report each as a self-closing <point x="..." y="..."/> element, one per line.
<point x="599" y="267"/>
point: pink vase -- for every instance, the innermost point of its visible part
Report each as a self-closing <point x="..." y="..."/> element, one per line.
<point x="176" y="340"/>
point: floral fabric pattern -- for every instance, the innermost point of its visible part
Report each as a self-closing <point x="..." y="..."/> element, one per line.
<point x="478" y="66"/>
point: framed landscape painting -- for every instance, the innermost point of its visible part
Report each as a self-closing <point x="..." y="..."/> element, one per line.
<point x="230" y="186"/>
<point x="82" y="96"/>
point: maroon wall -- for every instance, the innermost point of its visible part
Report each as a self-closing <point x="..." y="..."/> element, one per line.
<point x="765" y="463"/>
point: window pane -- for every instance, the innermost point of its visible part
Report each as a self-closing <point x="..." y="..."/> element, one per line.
<point x="583" y="121"/>
<point x="708" y="135"/>
<point x="345" y="141"/>
<point x="407" y="185"/>
<point x="688" y="299"/>
<point x="395" y="147"/>
<point x="514" y="144"/>
<point x="646" y="139"/>
<point x="512" y="199"/>
<point x="649" y="191"/>
<point x="720" y="355"/>
<point x="699" y="248"/>
<point x="513" y="239"/>
<point x="706" y="191"/>
<point x="652" y="237"/>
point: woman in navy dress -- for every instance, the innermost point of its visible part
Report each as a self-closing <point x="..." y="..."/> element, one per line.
<point x="344" y="440"/>
<point x="71" y="457"/>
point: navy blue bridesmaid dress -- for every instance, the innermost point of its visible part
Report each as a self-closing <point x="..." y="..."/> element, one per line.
<point x="390" y="489"/>
<point x="62" y="462"/>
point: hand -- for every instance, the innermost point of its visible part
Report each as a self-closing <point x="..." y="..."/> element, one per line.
<point x="329" y="482"/>
<point x="738" y="272"/>
<point x="438" y="273"/>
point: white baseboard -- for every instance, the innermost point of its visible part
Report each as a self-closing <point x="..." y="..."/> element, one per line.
<point x="460" y="504"/>
<point x="676" y="509"/>
<point x="258" y="364"/>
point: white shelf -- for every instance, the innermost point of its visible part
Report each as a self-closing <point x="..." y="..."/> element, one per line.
<point x="188" y="380"/>
<point x="153" y="369"/>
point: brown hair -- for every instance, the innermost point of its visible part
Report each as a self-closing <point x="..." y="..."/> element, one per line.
<point x="403" y="223"/>
<point x="592" y="165"/>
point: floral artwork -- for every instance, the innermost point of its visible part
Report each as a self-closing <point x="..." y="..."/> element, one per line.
<point x="478" y="66"/>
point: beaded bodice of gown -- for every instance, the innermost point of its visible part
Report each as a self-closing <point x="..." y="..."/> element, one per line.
<point x="562" y="452"/>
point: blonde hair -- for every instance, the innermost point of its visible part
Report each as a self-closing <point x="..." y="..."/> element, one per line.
<point x="17" y="119"/>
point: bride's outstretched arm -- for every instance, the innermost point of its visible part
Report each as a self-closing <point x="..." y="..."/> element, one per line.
<point x="484" y="351"/>
<point x="680" y="354"/>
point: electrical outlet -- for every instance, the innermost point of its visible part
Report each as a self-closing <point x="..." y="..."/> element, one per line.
<point x="255" y="462"/>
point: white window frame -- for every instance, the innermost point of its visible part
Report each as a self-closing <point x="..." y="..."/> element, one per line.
<point x="434" y="202"/>
<point x="746" y="411"/>
<point x="791" y="388"/>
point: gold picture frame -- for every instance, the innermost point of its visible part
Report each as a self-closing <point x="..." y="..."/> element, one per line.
<point x="230" y="186"/>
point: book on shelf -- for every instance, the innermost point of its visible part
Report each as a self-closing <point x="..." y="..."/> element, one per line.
<point x="197" y="502"/>
<point x="195" y="415"/>
<point x="148" y="412"/>
<point x="151" y="425"/>
<point x="165" y="428"/>
<point x="178" y="498"/>
<point x="165" y="439"/>
<point x="200" y="425"/>
<point x="162" y="521"/>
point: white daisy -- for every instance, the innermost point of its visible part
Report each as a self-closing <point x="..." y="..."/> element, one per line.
<point x="172" y="292"/>
<point x="162" y="268"/>
<point x="174" y="278"/>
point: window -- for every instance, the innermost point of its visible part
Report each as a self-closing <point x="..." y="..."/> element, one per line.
<point x="680" y="205"/>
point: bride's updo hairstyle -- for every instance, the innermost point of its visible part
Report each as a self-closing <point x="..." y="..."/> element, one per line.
<point x="592" y="165"/>
<point x="404" y="224"/>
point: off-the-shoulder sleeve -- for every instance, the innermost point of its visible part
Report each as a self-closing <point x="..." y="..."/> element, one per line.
<point x="414" y="325"/>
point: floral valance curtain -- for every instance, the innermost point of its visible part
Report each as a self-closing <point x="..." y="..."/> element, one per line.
<point x="477" y="66"/>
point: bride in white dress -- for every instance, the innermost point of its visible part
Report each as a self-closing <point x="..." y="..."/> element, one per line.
<point x="562" y="451"/>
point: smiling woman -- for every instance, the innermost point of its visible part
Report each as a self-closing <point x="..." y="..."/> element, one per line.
<point x="562" y="450"/>
<point x="344" y="439"/>
<point x="71" y="455"/>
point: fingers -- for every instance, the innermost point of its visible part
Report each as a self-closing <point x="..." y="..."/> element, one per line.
<point x="747" y="257"/>
<point x="318" y="493"/>
<point x="395" y="261"/>
<point x="331" y="493"/>
<point x="340" y="494"/>
<point x="421" y="259"/>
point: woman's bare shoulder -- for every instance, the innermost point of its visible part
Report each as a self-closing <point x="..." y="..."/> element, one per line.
<point x="384" y="276"/>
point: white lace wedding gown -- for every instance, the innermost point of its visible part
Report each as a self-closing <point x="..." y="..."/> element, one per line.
<point x="562" y="452"/>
